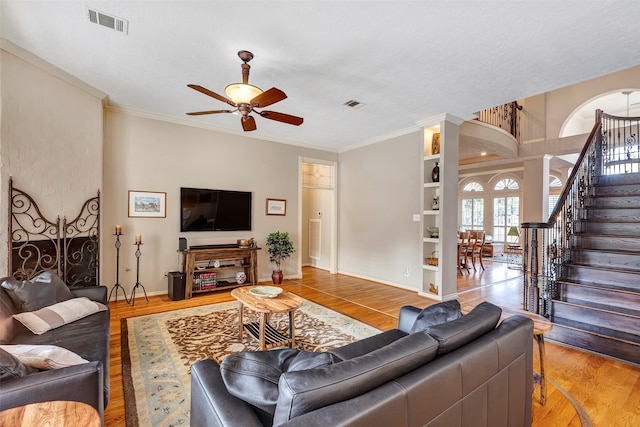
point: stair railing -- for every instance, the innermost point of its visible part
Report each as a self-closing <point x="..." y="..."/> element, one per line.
<point x="543" y="268"/>
<point x="613" y="147"/>
<point x="504" y="116"/>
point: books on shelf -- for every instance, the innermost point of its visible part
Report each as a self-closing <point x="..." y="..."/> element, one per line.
<point x="204" y="281"/>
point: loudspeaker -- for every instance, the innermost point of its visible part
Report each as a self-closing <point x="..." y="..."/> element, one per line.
<point x="176" y="285"/>
<point x="182" y="244"/>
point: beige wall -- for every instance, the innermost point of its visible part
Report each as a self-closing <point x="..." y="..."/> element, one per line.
<point x="145" y="154"/>
<point x="51" y="138"/>
<point x="378" y="192"/>
<point x="544" y="115"/>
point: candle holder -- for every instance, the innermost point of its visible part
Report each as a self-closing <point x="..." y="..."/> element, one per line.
<point x="138" y="284"/>
<point x="118" y="285"/>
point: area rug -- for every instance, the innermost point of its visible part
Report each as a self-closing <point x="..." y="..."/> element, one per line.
<point x="159" y="349"/>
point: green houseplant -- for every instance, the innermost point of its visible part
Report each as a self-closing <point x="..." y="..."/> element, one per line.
<point x="280" y="247"/>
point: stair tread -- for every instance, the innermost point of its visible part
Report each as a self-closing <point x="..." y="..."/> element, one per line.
<point x="610" y="235"/>
<point x="601" y="268"/>
<point x="624" y="311"/>
<point x="604" y="286"/>
<point x="601" y="331"/>
<point x="610" y="220"/>
<point x="609" y="251"/>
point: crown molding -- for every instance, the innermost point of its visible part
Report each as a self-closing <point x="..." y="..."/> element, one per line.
<point x="183" y="122"/>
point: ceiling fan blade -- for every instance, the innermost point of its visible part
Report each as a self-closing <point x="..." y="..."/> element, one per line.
<point x="269" y="97"/>
<point x="248" y="123"/>
<point x="212" y="94"/>
<point x="199" y="113"/>
<point x="281" y="117"/>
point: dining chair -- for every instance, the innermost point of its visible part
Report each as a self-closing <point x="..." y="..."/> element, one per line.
<point x="474" y="251"/>
<point x="463" y="245"/>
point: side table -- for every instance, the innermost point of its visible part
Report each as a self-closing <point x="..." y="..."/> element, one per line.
<point x="59" y="413"/>
<point x="541" y="325"/>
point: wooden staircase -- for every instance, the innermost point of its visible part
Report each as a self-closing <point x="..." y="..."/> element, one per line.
<point x="597" y="304"/>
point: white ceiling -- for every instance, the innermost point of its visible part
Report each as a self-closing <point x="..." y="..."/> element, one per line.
<point x="406" y="60"/>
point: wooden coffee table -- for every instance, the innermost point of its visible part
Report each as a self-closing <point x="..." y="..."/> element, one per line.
<point x="51" y="414"/>
<point x="266" y="335"/>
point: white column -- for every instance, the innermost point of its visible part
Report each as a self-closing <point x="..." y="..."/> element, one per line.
<point x="450" y="145"/>
<point x="535" y="190"/>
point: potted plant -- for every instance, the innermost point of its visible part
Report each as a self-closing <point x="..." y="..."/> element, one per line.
<point x="280" y="247"/>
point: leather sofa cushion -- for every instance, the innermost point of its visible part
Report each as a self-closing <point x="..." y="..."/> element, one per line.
<point x="7" y="322"/>
<point x="436" y="314"/>
<point x="452" y="335"/>
<point x="40" y="291"/>
<point x="88" y="338"/>
<point x="12" y="367"/>
<point x="253" y="375"/>
<point x="304" y="391"/>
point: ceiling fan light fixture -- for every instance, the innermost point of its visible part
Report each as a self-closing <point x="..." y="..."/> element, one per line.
<point x="241" y="93"/>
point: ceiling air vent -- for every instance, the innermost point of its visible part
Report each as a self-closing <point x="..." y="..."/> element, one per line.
<point x="353" y="104"/>
<point x="109" y="21"/>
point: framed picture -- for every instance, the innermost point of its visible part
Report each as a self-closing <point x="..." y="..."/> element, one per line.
<point x="276" y="207"/>
<point x="147" y="204"/>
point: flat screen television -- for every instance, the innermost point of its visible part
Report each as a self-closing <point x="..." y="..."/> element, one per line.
<point x="214" y="210"/>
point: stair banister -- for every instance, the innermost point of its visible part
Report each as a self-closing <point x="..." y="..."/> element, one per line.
<point x="556" y="232"/>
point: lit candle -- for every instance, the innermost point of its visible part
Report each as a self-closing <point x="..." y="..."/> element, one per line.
<point x="138" y="238"/>
<point x="118" y="229"/>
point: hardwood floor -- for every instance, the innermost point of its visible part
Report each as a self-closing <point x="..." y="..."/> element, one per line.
<point x="609" y="390"/>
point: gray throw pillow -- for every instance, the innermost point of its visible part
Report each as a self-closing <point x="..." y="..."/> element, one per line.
<point x="41" y="291"/>
<point x="253" y="375"/>
<point x="11" y="367"/>
<point x="436" y="314"/>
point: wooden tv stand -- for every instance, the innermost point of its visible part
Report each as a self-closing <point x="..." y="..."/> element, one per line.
<point x="221" y="261"/>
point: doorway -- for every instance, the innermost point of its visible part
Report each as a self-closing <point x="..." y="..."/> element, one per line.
<point x="317" y="223"/>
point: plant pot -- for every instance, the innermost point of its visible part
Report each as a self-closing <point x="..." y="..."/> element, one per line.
<point x="276" y="277"/>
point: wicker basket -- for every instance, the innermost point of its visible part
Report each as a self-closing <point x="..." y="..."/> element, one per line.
<point x="432" y="260"/>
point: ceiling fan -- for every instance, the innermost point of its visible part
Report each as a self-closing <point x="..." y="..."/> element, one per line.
<point x="245" y="98"/>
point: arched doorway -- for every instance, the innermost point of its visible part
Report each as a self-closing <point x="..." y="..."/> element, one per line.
<point x="624" y="102"/>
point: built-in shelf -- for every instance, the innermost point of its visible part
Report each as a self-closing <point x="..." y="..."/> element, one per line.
<point x="431" y="218"/>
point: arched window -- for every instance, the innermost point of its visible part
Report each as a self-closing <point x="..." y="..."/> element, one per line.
<point x="506" y="211"/>
<point x="555" y="188"/>
<point x="472" y="206"/>
<point x="506" y="184"/>
<point x="473" y="186"/>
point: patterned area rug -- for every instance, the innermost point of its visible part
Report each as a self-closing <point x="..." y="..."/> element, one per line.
<point x="159" y="349"/>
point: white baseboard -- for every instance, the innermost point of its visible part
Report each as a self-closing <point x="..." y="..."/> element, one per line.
<point x="373" y="279"/>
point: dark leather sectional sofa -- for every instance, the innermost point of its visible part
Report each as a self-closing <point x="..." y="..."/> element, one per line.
<point x="87" y="337"/>
<point x="463" y="372"/>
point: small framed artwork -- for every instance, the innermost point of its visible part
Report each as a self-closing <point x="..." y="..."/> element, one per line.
<point x="147" y="204"/>
<point x="276" y="207"/>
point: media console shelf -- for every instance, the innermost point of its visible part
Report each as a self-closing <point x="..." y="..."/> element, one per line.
<point x="214" y="268"/>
